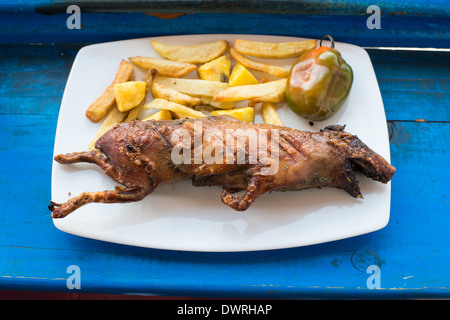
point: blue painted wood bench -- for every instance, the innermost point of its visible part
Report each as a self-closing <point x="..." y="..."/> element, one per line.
<point x="413" y="251"/>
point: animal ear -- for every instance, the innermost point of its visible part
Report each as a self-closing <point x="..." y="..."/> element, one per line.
<point x="346" y="180"/>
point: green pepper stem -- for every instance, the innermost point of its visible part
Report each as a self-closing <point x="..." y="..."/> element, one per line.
<point x="329" y="37"/>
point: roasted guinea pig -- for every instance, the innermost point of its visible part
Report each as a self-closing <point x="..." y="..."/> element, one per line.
<point x="222" y="151"/>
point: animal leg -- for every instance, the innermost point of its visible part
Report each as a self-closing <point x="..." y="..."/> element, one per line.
<point x="120" y="195"/>
<point x="92" y="156"/>
<point x="254" y="189"/>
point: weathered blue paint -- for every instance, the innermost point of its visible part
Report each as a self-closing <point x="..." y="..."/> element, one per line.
<point x="413" y="251"/>
<point x="323" y="7"/>
<point x="403" y="31"/>
<point x="419" y="89"/>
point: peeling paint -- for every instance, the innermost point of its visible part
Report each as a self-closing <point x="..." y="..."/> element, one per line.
<point x="32" y="278"/>
<point x="361" y="259"/>
<point x="166" y="15"/>
<point x="398" y="134"/>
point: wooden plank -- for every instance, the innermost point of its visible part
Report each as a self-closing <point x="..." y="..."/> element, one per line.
<point x="396" y="31"/>
<point x="414" y="104"/>
<point x="324" y="7"/>
<point x="37" y="57"/>
<point x="414" y="84"/>
<point x="411" y="64"/>
<point x="33" y="77"/>
<point x="411" y="251"/>
<point x="38" y="254"/>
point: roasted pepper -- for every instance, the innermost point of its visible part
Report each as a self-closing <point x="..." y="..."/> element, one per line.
<point x="319" y="83"/>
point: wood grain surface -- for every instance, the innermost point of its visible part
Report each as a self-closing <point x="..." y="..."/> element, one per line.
<point x="412" y="252"/>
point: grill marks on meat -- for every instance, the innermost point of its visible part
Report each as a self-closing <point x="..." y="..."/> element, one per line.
<point x="138" y="156"/>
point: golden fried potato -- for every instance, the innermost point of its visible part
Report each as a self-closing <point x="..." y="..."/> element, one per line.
<point x="195" y="87"/>
<point x="199" y="53"/>
<point x="134" y="113"/>
<point x="164" y="67"/>
<point x="160" y="115"/>
<point x="174" y="107"/>
<point x="277" y="71"/>
<point x="129" y="94"/>
<point x="177" y="115"/>
<point x="163" y="92"/>
<point x="272" y="91"/>
<point x="148" y="78"/>
<point x="100" y="107"/>
<point x="216" y="70"/>
<point x="270" y="114"/>
<point x="114" y="117"/>
<point x="241" y="76"/>
<point x="244" y="114"/>
<point x="219" y="105"/>
<point x="273" y="50"/>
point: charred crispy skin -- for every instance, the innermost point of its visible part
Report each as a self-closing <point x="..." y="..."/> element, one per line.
<point x="140" y="156"/>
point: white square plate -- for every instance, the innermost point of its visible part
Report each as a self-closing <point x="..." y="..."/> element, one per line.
<point x="182" y="217"/>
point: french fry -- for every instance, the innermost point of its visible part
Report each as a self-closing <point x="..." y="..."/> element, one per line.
<point x="260" y="66"/>
<point x="204" y="108"/>
<point x="114" y="116"/>
<point x="160" y="115"/>
<point x="149" y="76"/>
<point x="100" y="107"/>
<point x="273" y="50"/>
<point x="196" y="87"/>
<point x="272" y="91"/>
<point x="199" y="53"/>
<point x="244" y="114"/>
<point x="219" y="105"/>
<point x="178" y="115"/>
<point x="270" y="114"/>
<point x="164" y="67"/>
<point x="166" y="93"/>
<point x="174" y="107"/>
<point x="134" y="113"/>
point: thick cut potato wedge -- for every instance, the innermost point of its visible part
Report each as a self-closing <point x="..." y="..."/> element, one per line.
<point x="272" y="91"/>
<point x="244" y="114"/>
<point x="177" y="115"/>
<point x="241" y="76"/>
<point x="129" y="94"/>
<point x="114" y="117"/>
<point x="100" y="107"/>
<point x="270" y="114"/>
<point x="164" y="67"/>
<point x="260" y="66"/>
<point x="174" y="107"/>
<point x="166" y="93"/>
<point x="216" y="70"/>
<point x="273" y="50"/>
<point x="195" y="87"/>
<point x="219" y="105"/>
<point x="160" y="115"/>
<point x="134" y="113"/>
<point x="149" y="76"/>
<point x="199" y="53"/>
